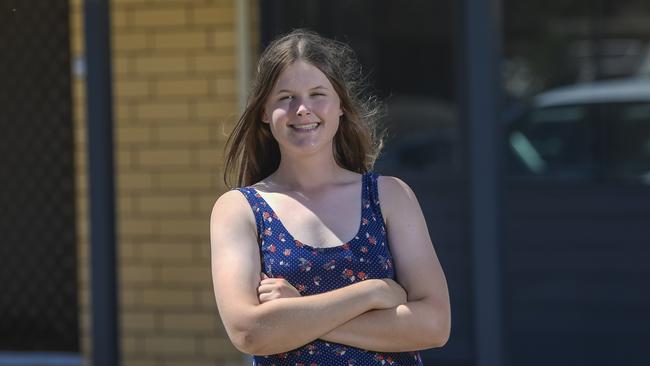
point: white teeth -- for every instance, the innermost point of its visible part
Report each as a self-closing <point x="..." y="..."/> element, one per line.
<point x="310" y="126"/>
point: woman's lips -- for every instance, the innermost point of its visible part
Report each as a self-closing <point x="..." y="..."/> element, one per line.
<point x="305" y="127"/>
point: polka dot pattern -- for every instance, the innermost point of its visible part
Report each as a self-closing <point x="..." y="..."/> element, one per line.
<point x="313" y="270"/>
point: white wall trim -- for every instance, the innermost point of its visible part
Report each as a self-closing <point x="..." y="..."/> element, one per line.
<point x="243" y="51"/>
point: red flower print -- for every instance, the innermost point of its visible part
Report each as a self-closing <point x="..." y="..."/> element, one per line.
<point x="281" y="237"/>
<point x="346" y="246"/>
<point x="300" y="288"/>
<point x="298" y="243"/>
<point x="287" y="252"/>
<point x="361" y="275"/>
<point x="267" y="216"/>
<point x="268" y="231"/>
<point x="329" y="265"/>
<point x="364" y="221"/>
<point x="349" y="274"/>
<point x="364" y="249"/>
<point x="272" y="248"/>
<point x="385" y="262"/>
<point x="305" y="265"/>
<point x="371" y="239"/>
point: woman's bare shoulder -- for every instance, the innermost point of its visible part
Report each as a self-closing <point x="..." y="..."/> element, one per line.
<point x="395" y="195"/>
<point x="392" y="188"/>
<point x="232" y="208"/>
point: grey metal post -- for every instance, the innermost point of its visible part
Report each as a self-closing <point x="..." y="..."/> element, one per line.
<point x="480" y="97"/>
<point x="105" y="343"/>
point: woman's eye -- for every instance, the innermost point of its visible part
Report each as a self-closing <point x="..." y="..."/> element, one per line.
<point x="286" y="97"/>
<point x="315" y="94"/>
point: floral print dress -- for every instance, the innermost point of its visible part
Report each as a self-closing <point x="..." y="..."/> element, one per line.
<point x="316" y="270"/>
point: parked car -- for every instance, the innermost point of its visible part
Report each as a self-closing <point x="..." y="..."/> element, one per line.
<point x="587" y="132"/>
<point x="595" y="132"/>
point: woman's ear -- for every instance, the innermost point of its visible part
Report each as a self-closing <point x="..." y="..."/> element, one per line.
<point x="265" y="117"/>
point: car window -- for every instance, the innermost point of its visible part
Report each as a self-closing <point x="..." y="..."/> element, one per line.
<point x="553" y="142"/>
<point x="628" y="141"/>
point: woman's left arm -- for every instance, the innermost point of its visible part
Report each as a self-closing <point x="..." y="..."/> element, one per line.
<point x="425" y="320"/>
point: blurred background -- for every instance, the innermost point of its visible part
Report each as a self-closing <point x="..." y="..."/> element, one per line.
<point x="571" y="127"/>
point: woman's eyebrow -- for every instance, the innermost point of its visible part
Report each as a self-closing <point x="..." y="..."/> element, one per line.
<point x="319" y="87"/>
<point x="290" y="91"/>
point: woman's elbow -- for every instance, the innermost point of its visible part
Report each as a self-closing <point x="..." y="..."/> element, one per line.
<point x="438" y="331"/>
<point x="251" y="341"/>
<point x="243" y="340"/>
<point x="243" y="334"/>
<point x="441" y="331"/>
<point x="441" y="338"/>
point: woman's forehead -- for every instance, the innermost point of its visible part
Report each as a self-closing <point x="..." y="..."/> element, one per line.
<point x="301" y="75"/>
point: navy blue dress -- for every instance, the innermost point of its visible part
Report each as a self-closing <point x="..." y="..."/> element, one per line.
<point x="316" y="270"/>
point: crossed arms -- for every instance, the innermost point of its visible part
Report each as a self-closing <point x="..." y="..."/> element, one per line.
<point x="269" y="316"/>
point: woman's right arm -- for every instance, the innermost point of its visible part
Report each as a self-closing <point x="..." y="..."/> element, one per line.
<point x="283" y="324"/>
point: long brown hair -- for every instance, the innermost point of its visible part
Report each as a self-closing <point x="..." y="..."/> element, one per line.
<point x="253" y="154"/>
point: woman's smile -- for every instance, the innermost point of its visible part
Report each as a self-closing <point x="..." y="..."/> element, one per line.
<point x="305" y="127"/>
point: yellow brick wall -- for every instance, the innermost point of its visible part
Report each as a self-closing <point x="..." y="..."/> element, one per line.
<point x="175" y="94"/>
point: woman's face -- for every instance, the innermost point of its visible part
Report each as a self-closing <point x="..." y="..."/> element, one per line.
<point x="303" y="110"/>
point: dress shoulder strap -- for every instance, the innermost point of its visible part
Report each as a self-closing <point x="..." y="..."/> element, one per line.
<point x="255" y="202"/>
<point x="373" y="194"/>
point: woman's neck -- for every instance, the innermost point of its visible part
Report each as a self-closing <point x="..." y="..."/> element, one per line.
<point x="308" y="173"/>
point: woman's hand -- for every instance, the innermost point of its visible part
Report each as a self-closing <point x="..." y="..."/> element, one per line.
<point x="275" y="288"/>
<point x="389" y="293"/>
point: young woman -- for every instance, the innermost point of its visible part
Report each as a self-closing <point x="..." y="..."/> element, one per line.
<point x="316" y="260"/>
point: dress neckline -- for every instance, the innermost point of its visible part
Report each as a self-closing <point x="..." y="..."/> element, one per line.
<point x="343" y="245"/>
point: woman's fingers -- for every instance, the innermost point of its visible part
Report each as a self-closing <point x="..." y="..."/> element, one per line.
<point x="275" y="288"/>
<point x="274" y="280"/>
<point x="268" y="293"/>
<point x="269" y="287"/>
<point x="264" y="298"/>
<point x="266" y="288"/>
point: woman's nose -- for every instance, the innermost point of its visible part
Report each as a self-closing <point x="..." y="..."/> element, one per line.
<point x="303" y="110"/>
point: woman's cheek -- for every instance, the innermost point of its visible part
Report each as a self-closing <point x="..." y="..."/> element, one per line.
<point x="334" y="107"/>
<point x="279" y="114"/>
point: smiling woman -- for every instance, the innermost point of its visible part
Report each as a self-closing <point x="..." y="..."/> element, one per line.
<point x="315" y="258"/>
